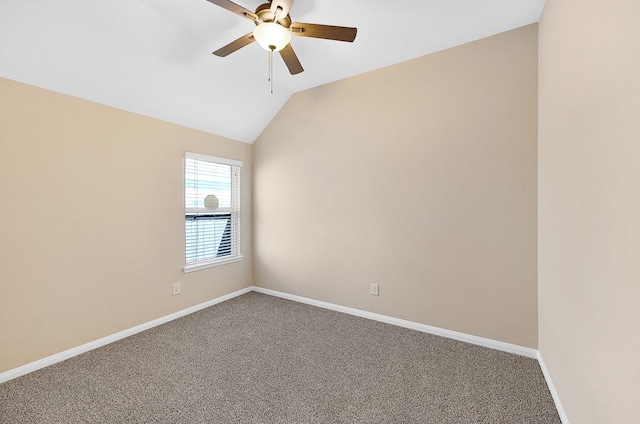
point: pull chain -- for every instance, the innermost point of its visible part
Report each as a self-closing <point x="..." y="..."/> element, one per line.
<point x="271" y="69"/>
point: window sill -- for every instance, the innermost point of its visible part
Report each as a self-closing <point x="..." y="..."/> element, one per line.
<point x="216" y="262"/>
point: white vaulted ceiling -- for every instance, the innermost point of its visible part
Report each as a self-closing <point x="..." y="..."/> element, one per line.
<point x="153" y="57"/>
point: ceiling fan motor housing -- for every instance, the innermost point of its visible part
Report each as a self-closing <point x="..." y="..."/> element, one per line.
<point x="266" y="15"/>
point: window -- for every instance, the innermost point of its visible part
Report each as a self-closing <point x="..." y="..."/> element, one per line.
<point x="211" y="211"/>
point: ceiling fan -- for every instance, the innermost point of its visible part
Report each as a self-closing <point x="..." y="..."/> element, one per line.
<point x="274" y="29"/>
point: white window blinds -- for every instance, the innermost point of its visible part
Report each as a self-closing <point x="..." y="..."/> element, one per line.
<point x="212" y="231"/>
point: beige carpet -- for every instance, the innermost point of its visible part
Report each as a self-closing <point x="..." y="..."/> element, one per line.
<point x="260" y="359"/>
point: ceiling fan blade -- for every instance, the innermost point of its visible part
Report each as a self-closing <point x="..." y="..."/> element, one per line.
<point x="291" y="60"/>
<point x="232" y="7"/>
<point x="285" y="5"/>
<point x="235" y="45"/>
<point x="327" y="32"/>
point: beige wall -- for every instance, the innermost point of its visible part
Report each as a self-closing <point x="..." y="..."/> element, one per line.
<point x="91" y="222"/>
<point x="420" y="177"/>
<point x="589" y="207"/>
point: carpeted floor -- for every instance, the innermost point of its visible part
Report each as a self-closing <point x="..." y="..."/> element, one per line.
<point x="261" y="359"/>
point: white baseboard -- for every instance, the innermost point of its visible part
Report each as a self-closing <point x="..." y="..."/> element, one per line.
<point x="481" y="341"/>
<point x="476" y="340"/>
<point x="59" y="357"/>
<point x="552" y="389"/>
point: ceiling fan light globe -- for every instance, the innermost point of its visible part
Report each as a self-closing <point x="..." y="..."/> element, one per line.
<point x="272" y="36"/>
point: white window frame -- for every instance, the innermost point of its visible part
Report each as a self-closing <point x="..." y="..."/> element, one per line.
<point x="234" y="211"/>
